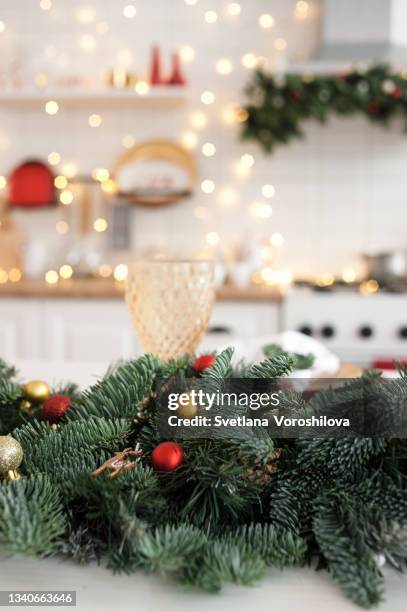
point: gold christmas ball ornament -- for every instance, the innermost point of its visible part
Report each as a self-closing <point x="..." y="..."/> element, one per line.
<point x="11" y="456"/>
<point x="187" y="409"/>
<point x="36" y="390"/>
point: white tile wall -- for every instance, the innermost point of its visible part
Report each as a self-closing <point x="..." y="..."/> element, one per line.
<point x="340" y="191"/>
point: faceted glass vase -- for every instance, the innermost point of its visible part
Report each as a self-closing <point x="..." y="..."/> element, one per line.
<point x="170" y="304"/>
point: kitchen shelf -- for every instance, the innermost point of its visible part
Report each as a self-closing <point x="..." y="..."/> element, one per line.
<point x="162" y="95"/>
<point x="107" y="288"/>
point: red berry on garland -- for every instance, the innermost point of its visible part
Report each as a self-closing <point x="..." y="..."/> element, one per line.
<point x="397" y="93"/>
<point x="167" y="457"/>
<point x="203" y="362"/>
<point x="55" y="407"/>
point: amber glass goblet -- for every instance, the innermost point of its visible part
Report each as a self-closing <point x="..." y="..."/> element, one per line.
<point x="170" y="304"/>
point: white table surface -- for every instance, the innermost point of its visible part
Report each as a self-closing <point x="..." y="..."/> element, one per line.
<point x="97" y="590"/>
<point x="302" y="590"/>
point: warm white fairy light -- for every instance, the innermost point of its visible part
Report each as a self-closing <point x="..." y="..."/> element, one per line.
<point x="191" y="2"/>
<point x="3" y="276"/>
<point x="105" y="270"/>
<point x="189" y="140"/>
<point x="301" y="9"/>
<point x="51" y="277"/>
<point x="280" y="44"/>
<point x="234" y="114"/>
<point x="349" y="275"/>
<point x="208" y="149"/>
<point x="61" y="227"/>
<point x="247" y="160"/>
<point x="261" y="210"/>
<point x="41" y="80"/>
<point x="208" y="186"/>
<point x="187" y="53"/>
<point x="142" y="88"/>
<point x="129" y="11"/>
<point x="70" y="169"/>
<point x="212" y="238"/>
<point x="51" y="107"/>
<point x="268" y="191"/>
<point x="224" y="66"/>
<point x="54" y="158"/>
<point x="128" y="141"/>
<point x="199" y="120"/>
<point x="14" y="275"/>
<point x="266" y="21"/>
<point x="249" y="60"/>
<point x="85" y="14"/>
<point x="60" y="181"/>
<point x="208" y="97"/>
<point x="242" y="171"/>
<point x="3" y="182"/>
<point x="326" y="279"/>
<point x="87" y="43"/>
<point x="120" y="272"/>
<point x="227" y="197"/>
<point x="211" y="17"/>
<point x="109" y="186"/>
<point x="276" y="240"/>
<point x="234" y="9"/>
<point x="66" y="197"/>
<point x="46" y="5"/>
<point x="100" y="225"/>
<point x="101" y="174"/>
<point x="65" y="271"/>
<point x="94" y="120"/>
<point x="2" y="26"/>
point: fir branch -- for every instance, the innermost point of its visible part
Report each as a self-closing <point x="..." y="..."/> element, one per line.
<point x="118" y="395"/>
<point x="273" y="367"/>
<point x="32" y="519"/>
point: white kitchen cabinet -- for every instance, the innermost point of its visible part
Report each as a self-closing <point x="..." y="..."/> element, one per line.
<point x="100" y="330"/>
<point x="21" y="334"/>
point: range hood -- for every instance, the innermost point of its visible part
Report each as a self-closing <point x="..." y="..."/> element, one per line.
<point x="360" y="31"/>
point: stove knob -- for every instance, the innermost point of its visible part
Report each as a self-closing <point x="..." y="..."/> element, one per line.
<point x="306" y="329"/>
<point x="327" y="331"/>
<point x="365" y="331"/>
<point x="402" y="332"/>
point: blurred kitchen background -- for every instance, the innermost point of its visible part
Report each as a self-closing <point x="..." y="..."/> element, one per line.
<point x="120" y="133"/>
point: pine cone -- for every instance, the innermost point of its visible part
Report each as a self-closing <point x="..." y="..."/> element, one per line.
<point x="262" y="473"/>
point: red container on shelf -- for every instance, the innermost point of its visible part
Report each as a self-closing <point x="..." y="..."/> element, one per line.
<point x="31" y="185"/>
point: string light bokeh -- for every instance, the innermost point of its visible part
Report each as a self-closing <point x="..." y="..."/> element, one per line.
<point x="214" y="110"/>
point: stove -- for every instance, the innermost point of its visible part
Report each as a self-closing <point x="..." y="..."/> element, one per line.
<point x="367" y="330"/>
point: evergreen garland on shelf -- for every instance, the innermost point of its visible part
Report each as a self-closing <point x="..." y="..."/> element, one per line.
<point x="279" y="104"/>
<point x="229" y="511"/>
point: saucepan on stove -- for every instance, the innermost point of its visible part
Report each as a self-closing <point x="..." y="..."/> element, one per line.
<point x="386" y="267"/>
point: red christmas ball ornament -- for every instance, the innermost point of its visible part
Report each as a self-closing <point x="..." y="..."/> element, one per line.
<point x="203" y="362"/>
<point x="54" y="408"/>
<point x="167" y="457"/>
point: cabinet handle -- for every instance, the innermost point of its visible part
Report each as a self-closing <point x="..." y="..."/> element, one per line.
<point x="402" y="332"/>
<point x="366" y="331"/>
<point x="328" y="331"/>
<point x="306" y="329"/>
<point x="220" y="329"/>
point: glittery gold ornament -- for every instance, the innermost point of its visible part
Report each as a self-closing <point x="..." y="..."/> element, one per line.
<point x="36" y="390"/>
<point x="11" y="456"/>
<point x="25" y="406"/>
<point x="187" y="410"/>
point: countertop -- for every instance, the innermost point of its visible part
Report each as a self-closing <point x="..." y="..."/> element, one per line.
<point x="90" y="288"/>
